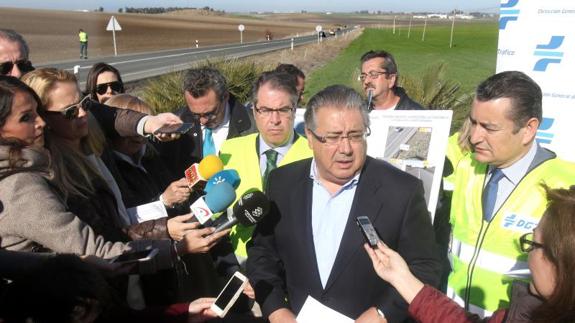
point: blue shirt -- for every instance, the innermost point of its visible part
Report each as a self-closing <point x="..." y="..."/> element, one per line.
<point x="328" y="219"/>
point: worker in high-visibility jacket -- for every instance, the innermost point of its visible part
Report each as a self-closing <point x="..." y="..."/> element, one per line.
<point x="276" y="143"/>
<point x="83" y="37"/>
<point x="497" y="195"/>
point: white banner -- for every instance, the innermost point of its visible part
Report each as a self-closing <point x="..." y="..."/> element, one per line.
<point x="538" y="38"/>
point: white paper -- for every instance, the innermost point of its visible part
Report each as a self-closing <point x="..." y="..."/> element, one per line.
<point x="313" y="311"/>
<point x="145" y="212"/>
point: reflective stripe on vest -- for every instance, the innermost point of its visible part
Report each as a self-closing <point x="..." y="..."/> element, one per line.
<point x="483" y="274"/>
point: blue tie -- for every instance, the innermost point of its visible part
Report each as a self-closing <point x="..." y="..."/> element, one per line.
<point x="208" y="148"/>
<point x="490" y="194"/>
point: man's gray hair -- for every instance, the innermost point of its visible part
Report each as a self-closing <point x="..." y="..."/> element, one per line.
<point x="335" y="96"/>
<point x="12" y="36"/>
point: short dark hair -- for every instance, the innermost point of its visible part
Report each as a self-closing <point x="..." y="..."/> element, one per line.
<point x="278" y="81"/>
<point x="525" y="95"/>
<point x="290" y="69"/>
<point x="388" y="61"/>
<point x="335" y="96"/>
<point x="198" y="81"/>
<point x="13" y="36"/>
<point x="92" y="78"/>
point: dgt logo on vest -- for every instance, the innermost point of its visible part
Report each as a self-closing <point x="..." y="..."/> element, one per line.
<point x="544" y="136"/>
<point x="515" y="222"/>
<point x="549" y="52"/>
<point x="508" y="13"/>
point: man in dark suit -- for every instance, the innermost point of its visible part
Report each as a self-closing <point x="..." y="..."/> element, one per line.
<point x="309" y="244"/>
<point x="215" y="114"/>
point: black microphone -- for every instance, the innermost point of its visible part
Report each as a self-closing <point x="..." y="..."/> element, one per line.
<point x="250" y="209"/>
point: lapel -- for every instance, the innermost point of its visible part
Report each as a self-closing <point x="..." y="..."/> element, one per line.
<point x="194" y="136"/>
<point x="239" y="118"/>
<point x="365" y="202"/>
<point x="301" y="201"/>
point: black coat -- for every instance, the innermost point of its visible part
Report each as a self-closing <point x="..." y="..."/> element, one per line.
<point x="282" y="263"/>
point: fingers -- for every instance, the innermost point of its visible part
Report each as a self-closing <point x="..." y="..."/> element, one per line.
<point x="185" y="218"/>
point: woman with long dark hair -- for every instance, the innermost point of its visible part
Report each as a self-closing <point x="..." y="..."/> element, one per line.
<point x="103" y="82"/>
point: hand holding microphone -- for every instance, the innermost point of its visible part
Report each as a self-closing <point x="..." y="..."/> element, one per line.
<point x="177" y="192"/>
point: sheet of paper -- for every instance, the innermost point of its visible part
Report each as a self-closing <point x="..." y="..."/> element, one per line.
<point x="313" y="311"/>
<point x="145" y="212"/>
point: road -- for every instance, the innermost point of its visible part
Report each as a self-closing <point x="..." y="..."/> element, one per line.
<point x="135" y="67"/>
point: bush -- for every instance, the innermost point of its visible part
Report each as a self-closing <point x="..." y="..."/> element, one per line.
<point x="165" y="94"/>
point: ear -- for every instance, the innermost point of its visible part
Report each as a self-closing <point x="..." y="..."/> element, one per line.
<point x="309" y="137"/>
<point x="530" y="130"/>
<point x="392" y="80"/>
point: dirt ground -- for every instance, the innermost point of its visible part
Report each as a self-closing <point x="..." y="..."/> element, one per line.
<point x="53" y="35"/>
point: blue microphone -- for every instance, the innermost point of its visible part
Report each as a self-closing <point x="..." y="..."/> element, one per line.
<point x="230" y="176"/>
<point x="220" y="197"/>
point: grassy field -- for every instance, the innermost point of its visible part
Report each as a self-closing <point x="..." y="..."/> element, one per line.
<point x="471" y="59"/>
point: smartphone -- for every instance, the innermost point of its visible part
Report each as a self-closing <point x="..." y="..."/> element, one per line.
<point x="136" y="256"/>
<point x="229" y="294"/>
<point x="175" y="128"/>
<point x="368" y="230"/>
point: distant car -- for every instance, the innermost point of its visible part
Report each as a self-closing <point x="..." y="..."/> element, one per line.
<point x="322" y="34"/>
<point x="332" y="32"/>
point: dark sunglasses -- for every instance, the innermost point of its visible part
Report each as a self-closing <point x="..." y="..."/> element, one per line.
<point x="71" y="112"/>
<point x="23" y="65"/>
<point x="116" y="86"/>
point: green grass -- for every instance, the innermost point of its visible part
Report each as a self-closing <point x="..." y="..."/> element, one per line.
<point x="471" y="60"/>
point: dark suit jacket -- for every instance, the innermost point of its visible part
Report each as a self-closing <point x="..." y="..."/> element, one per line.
<point x="180" y="154"/>
<point x="282" y="263"/>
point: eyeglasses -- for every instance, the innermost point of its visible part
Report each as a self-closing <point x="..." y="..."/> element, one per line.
<point x="527" y="244"/>
<point x="267" y="112"/>
<point x="23" y="65"/>
<point x="335" y="139"/>
<point x="372" y="75"/>
<point x="116" y="86"/>
<point x="72" y="111"/>
<point x="208" y="115"/>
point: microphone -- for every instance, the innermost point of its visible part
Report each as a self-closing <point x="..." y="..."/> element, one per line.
<point x="217" y="200"/>
<point x="250" y="209"/>
<point x="369" y="98"/>
<point x="198" y="173"/>
<point x="230" y="176"/>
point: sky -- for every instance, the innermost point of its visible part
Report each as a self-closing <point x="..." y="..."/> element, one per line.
<point x="266" y="5"/>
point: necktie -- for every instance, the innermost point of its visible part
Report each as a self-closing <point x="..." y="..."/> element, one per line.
<point x="272" y="157"/>
<point x="490" y="194"/>
<point x="209" y="148"/>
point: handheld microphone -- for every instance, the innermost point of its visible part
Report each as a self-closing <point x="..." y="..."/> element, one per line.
<point x="217" y="200"/>
<point x="198" y="173"/>
<point x="230" y="176"/>
<point x="250" y="209"/>
<point x="369" y="99"/>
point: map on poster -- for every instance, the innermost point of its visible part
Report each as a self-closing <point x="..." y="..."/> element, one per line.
<point x="414" y="141"/>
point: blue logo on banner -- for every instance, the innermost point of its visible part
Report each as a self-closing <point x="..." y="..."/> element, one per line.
<point x="549" y="52"/>
<point x="507" y="13"/>
<point x="544" y="136"/>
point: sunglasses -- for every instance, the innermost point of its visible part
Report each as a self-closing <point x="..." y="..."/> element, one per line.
<point x="116" y="86"/>
<point x="72" y="111"/>
<point x="23" y="65"/>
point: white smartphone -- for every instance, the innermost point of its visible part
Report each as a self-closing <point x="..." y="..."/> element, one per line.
<point x="136" y="256"/>
<point x="229" y="294"/>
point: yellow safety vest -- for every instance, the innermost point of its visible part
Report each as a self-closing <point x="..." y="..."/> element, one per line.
<point x="240" y="154"/>
<point x="486" y="255"/>
<point x="83" y="36"/>
<point x="454" y="154"/>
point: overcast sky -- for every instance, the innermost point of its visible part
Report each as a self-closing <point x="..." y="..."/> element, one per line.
<point x="266" y="5"/>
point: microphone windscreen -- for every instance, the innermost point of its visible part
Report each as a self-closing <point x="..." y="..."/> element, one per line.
<point x="210" y="165"/>
<point x="251" y="208"/>
<point x="230" y="176"/>
<point x="220" y="197"/>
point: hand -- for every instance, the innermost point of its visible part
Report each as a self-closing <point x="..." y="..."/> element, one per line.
<point x="200" y="240"/>
<point x="282" y="315"/>
<point x="200" y="311"/>
<point x="249" y="291"/>
<point x="370" y="316"/>
<point x="177" y="192"/>
<point x="391" y="267"/>
<point x="154" y="123"/>
<point x="178" y="226"/>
